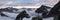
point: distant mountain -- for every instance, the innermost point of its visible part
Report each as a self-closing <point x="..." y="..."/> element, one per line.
<point x="42" y="9"/>
<point x="8" y="9"/>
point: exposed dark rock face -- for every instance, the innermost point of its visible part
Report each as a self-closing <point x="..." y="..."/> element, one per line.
<point x="43" y="10"/>
<point x="55" y="11"/>
<point x="22" y="15"/>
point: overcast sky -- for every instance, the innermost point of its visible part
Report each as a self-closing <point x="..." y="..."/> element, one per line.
<point x="27" y="2"/>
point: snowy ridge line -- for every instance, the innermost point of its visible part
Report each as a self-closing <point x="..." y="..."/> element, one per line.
<point x="25" y="7"/>
<point x="21" y="7"/>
